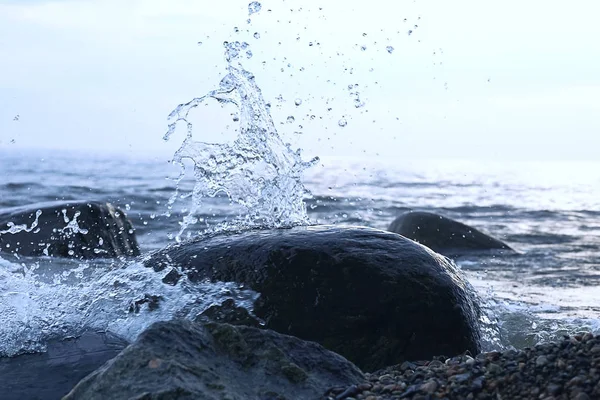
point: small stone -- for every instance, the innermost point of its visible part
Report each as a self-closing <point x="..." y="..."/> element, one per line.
<point x="477" y="383"/>
<point x="595" y="349"/>
<point x="494" y="368"/>
<point x="430" y="386"/>
<point x="560" y="363"/>
<point x="364" y="386"/>
<point x="581" y="396"/>
<point x="461" y="377"/>
<point x="541" y="361"/>
<point x="436" y="364"/>
<point x="389" y="388"/>
<point x="587" y="336"/>
<point x="371" y="398"/>
<point x="407" y="365"/>
<point x="553" y="388"/>
<point x="575" y="381"/>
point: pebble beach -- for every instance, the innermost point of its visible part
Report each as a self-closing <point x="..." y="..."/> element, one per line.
<point x="568" y="369"/>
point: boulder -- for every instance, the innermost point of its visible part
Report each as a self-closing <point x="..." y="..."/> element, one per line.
<point x="186" y="360"/>
<point x="74" y="229"/>
<point x="445" y="235"/>
<point x="51" y="374"/>
<point x="372" y="296"/>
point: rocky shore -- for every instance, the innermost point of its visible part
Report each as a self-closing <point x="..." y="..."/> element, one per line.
<point x="569" y="369"/>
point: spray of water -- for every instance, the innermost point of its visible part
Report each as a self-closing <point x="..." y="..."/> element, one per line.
<point x="36" y="307"/>
<point x="257" y="171"/>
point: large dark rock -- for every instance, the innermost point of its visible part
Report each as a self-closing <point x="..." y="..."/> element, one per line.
<point x="50" y="375"/>
<point x="75" y="229"/>
<point x="445" y="235"/>
<point x="186" y="360"/>
<point x="374" y="297"/>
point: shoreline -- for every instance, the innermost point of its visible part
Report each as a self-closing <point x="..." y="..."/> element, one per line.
<point x="565" y="369"/>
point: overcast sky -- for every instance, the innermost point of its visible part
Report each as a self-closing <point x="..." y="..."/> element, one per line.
<point x="475" y="78"/>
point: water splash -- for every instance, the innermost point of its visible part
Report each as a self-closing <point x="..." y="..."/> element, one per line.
<point x="12" y="228"/>
<point x="254" y="7"/>
<point x="36" y="306"/>
<point x="257" y="170"/>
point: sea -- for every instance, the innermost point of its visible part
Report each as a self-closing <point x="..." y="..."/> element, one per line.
<point x="548" y="211"/>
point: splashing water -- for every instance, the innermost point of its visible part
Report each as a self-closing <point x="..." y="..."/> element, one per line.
<point x="257" y="170"/>
<point x="12" y="228"/>
<point x="35" y="307"/>
<point x="254" y="7"/>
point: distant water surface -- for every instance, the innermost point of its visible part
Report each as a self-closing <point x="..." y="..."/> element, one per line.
<point x="549" y="212"/>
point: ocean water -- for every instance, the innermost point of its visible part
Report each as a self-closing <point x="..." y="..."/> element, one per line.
<point x="549" y="212"/>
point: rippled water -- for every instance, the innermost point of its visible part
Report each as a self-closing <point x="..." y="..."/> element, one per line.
<point x="549" y="212"/>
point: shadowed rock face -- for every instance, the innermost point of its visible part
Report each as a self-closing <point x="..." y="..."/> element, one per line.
<point x="186" y="360"/>
<point x="76" y="229"/>
<point x="444" y="235"/>
<point x="374" y="297"/>
<point x="50" y="375"/>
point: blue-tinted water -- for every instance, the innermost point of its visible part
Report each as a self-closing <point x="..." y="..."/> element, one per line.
<point x="549" y="212"/>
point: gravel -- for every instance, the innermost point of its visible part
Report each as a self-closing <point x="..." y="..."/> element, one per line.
<point x="568" y="369"/>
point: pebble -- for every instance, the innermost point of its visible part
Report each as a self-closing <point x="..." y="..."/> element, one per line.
<point x="541" y="361"/>
<point x="564" y="370"/>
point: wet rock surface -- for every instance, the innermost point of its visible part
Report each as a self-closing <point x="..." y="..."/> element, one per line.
<point x="73" y="229"/>
<point x="444" y="235"/>
<point x="51" y="374"/>
<point x="187" y="360"/>
<point x="569" y="369"/>
<point x="374" y="297"/>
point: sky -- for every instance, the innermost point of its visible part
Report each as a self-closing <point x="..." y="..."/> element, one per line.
<point x="472" y="79"/>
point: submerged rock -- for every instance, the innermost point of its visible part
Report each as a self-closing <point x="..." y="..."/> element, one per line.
<point x="74" y="229"/>
<point x="50" y="375"/>
<point x="444" y="235"/>
<point x="186" y="360"/>
<point x="374" y="297"/>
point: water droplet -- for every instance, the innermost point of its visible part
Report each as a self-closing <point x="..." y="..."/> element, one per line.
<point x="16" y="118"/>
<point x="13" y="141"/>
<point x="363" y="48"/>
<point x="248" y="53"/>
<point x="310" y="43"/>
<point x="254" y="7"/>
<point x="364" y="34"/>
<point x="236" y="29"/>
<point x="409" y="32"/>
<point x="127" y="207"/>
<point x="298" y="102"/>
<point x="199" y="43"/>
<point x="390" y="49"/>
<point x="291" y="119"/>
<point x="256" y="35"/>
<point x="342" y="122"/>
